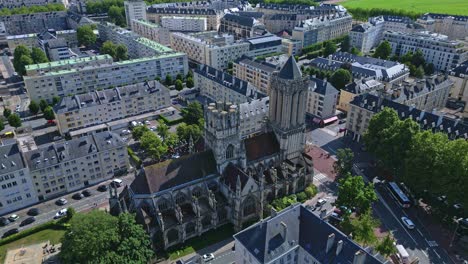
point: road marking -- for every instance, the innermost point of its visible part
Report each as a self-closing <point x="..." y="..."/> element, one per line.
<point x="420" y="232"/>
<point x="425" y="253"/>
<point x="432" y="243"/>
<point x="437" y="254"/>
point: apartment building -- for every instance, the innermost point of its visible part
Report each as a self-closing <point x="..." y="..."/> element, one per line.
<point x="368" y="35"/>
<point x="184" y="24"/>
<point x="91" y="78"/>
<point x="151" y="31"/>
<point x="219" y="86"/>
<point x="263" y="45"/>
<point x="40" y="39"/>
<point x="364" y="106"/>
<point x="57" y="49"/>
<point x="98" y="107"/>
<point x="322" y="28"/>
<point x="297" y="235"/>
<point x="241" y="26"/>
<point x="301" y="10"/>
<point x="459" y="92"/>
<point x="134" y="10"/>
<point x="67" y="166"/>
<point x="455" y="27"/>
<point x="437" y="49"/>
<point x="256" y="72"/>
<point x="17" y="189"/>
<point x="364" y="67"/>
<point x="322" y="98"/>
<point x="291" y="47"/>
<point x="33" y="23"/>
<point x="355" y="88"/>
<point x="275" y="23"/>
<point x="28" y="40"/>
<point x="209" y="48"/>
<point x="81" y="62"/>
<point x="213" y="16"/>
<point x="17" y="3"/>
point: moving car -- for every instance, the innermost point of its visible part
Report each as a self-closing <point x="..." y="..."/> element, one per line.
<point x="60" y="213"/>
<point x="28" y="221"/>
<point x="61" y="201"/>
<point x="407" y="222"/>
<point x="103" y="188"/>
<point x="208" y="257"/>
<point x="33" y="211"/>
<point x="13" y="217"/>
<point x="10" y="232"/>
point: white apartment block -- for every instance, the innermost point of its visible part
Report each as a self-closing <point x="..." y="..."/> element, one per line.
<point x="98" y="107"/>
<point x="184" y="24"/>
<point x="369" y="35"/>
<point x="17" y="189"/>
<point x="91" y="78"/>
<point x="29" y="40"/>
<point x="151" y="31"/>
<point x="437" y="49"/>
<point x="134" y="9"/>
<point x="322" y="28"/>
<point x="213" y="16"/>
<point x="322" y="98"/>
<point x="455" y="27"/>
<point x="20" y="3"/>
<point x="41" y="68"/>
<point x="209" y="48"/>
<point x="67" y="166"/>
<point x="256" y="72"/>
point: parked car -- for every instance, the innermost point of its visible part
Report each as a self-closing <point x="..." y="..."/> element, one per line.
<point x="103" y="188"/>
<point x="175" y="156"/>
<point x="77" y="196"/>
<point x="342" y="121"/>
<point x="4" y="221"/>
<point x="208" y="257"/>
<point x="61" y="201"/>
<point x="336" y="217"/>
<point x="147" y="122"/>
<point x="116" y="183"/>
<point x="10" y="232"/>
<point x="321" y="202"/>
<point x="28" y="221"/>
<point x="86" y="193"/>
<point x="13" y="217"/>
<point x="33" y="211"/>
<point x="407" y="222"/>
<point x="60" y="213"/>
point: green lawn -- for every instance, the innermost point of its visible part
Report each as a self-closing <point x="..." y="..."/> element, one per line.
<point x="459" y="7"/>
<point x="51" y="235"/>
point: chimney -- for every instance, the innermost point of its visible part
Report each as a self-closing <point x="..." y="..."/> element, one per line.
<point x="284" y="231"/>
<point x="339" y="247"/>
<point x="330" y="241"/>
<point x="273" y="212"/>
<point x="359" y="257"/>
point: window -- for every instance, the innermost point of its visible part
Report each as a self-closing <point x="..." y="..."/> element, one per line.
<point x="230" y="152"/>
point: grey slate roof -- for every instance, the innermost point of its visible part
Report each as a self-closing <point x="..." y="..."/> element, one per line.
<point x="241" y="20"/>
<point x="183" y="11"/>
<point x="56" y="43"/>
<point x="290" y="70"/>
<point x="10" y="159"/>
<point x="259" y="64"/>
<point x="442" y="16"/>
<point x="322" y="86"/>
<point x="461" y="69"/>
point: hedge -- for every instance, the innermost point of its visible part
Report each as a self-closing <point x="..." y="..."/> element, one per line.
<point x="170" y="122"/>
<point x="49" y="225"/>
<point x="134" y="157"/>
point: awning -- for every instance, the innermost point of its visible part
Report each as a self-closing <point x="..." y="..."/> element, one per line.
<point x="329" y="120"/>
<point x="316" y="120"/>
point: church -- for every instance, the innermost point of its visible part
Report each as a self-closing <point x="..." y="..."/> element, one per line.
<point x="241" y="171"/>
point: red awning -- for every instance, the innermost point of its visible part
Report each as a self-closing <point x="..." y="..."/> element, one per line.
<point x="329" y="120"/>
<point x="316" y="120"/>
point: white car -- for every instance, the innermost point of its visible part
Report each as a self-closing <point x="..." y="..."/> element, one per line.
<point x="60" y="213"/>
<point x="321" y="202"/>
<point x="407" y="222"/>
<point x="208" y="257"/>
<point x="153" y="128"/>
<point x="175" y="156"/>
<point x="13" y="217"/>
<point x="147" y="122"/>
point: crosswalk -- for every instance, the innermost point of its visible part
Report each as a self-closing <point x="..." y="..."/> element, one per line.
<point x="432" y="243"/>
<point x="320" y="177"/>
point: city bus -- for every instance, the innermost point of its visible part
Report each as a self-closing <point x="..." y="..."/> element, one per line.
<point x="399" y="195"/>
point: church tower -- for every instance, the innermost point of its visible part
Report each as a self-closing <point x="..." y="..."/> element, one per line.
<point x="288" y="95"/>
<point x="222" y="134"/>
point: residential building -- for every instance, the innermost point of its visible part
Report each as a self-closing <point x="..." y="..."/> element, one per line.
<point x="241" y="26"/>
<point x="303" y="11"/>
<point x="209" y="48"/>
<point x="85" y="79"/>
<point x="263" y="45"/>
<point x="134" y="10"/>
<point x="278" y="22"/>
<point x="213" y="16"/>
<point x="291" y="47"/>
<point x="364" y="106"/>
<point x="322" y="98"/>
<point x="98" y="107"/>
<point x="455" y="27"/>
<point x="355" y="88"/>
<point x="219" y="86"/>
<point x="40" y="39"/>
<point x="151" y="31"/>
<point x="297" y="235"/>
<point x="437" y="49"/>
<point x="67" y="166"/>
<point x="364" y="67"/>
<point x="33" y="23"/>
<point x="16" y="184"/>
<point x="257" y="72"/>
<point x="184" y="24"/>
<point x="28" y="40"/>
<point x="459" y="75"/>
<point x="369" y="35"/>
<point x="57" y="49"/>
<point x="53" y="66"/>
<point x="322" y="28"/>
<point x="17" y="3"/>
<point x="3" y="34"/>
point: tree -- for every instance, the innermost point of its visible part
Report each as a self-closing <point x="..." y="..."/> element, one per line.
<point x="311" y="191"/>
<point x="345" y="44"/>
<point x="184" y="132"/>
<point x="162" y="129"/>
<point x="33" y="107"/>
<point x="55" y="100"/>
<point x="329" y="48"/>
<point x="340" y="78"/>
<point x="429" y="69"/>
<point x="192" y="113"/>
<point x="117" y="15"/>
<point x="121" y="52"/>
<point x="363" y="228"/>
<point x="383" y="51"/>
<point x="419" y="73"/>
<point x="98" y="237"/>
<point x="171" y="140"/>
<point x="354" y="192"/>
<point x="189" y="83"/>
<point x="168" y="80"/>
<point x="85" y="35"/>
<point x="70" y="213"/>
<point x="179" y="85"/>
<point x="418" y="58"/>
<point x="386" y="246"/>
<point x="24" y="60"/>
<point x="180" y="77"/>
<point x="38" y="56"/>
<point x="109" y="48"/>
<point x="49" y="113"/>
<point x="355" y="51"/>
<point x="20" y="50"/>
<point x="138" y="131"/>
<point x="43" y="104"/>
<point x="6" y="112"/>
<point x="189" y="74"/>
<point x="344" y="164"/>
<point x="2" y="126"/>
<point x="153" y="145"/>
<point x="14" y="120"/>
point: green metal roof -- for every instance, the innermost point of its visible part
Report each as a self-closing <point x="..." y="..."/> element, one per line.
<point x="54" y="64"/>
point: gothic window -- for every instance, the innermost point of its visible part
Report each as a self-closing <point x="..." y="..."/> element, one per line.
<point x="180" y="198"/>
<point x="196" y="192"/>
<point x="249" y="206"/>
<point x="230" y="152"/>
<point x="163" y="205"/>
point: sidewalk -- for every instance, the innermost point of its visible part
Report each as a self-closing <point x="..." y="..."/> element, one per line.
<point x="217" y="248"/>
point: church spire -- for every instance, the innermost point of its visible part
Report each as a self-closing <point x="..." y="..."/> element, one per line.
<point x="290" y="70"/>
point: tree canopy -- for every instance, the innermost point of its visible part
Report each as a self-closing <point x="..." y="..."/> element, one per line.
<point x="383" y="51"/>
<point x="38" y="55"/>
<point x="32" y="9"/>
<point x="386" y="246"/>
<point x="329" y="48"/>
<point x="344" y="162"/>
<point x="340" y="78"/>
<point x="138" y="131"/>
<point x="184" y="132"/>
<point x="117" y="15"/>
<point x="85" y="35"/>
<point x="6" y="112"/>
<point x="14" y="120"/>
<point x="192" y="113"/>
<point x="49" y="113"/>
<point x="354" y="192"/>
<point x="43" y="104"/>
<point x="363" y="228"/>
<point x="153" y="145"/>
<point x="179" y="85"/>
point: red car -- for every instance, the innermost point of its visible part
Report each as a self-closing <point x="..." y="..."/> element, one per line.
<point x="51" y="122"/>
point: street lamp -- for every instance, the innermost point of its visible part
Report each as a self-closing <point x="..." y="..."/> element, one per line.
<point x="455" y="232"/>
